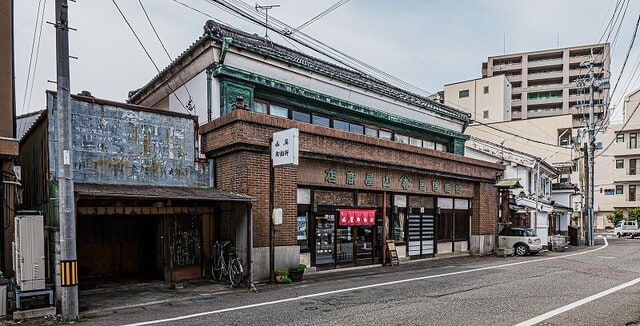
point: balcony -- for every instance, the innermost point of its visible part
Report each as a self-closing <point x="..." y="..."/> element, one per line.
<point x="536" y="113"/>
<point x="585" y="58"/>
<point x="544" y="100"/>
<point x="516" y="102"/>
<point x="545" y="75"/>
<point x="544" y="63"/>
<point x="516" y="114"/>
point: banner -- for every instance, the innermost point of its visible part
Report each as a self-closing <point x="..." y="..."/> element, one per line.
<point x="357" y="217"/>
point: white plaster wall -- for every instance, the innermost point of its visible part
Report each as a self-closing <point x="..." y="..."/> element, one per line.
<point x="482" y="244"/>
<point x="331" y="87"/>
<point x="197" y="87"/>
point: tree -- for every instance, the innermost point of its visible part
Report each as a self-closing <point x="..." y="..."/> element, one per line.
<point x="616" y="216"/>
<point x="634" y="214"/>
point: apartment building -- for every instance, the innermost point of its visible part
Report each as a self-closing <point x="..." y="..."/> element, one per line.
<point x="487" y="99"/>
<point x="552" y="82"/>
<point x="617" y="170"/>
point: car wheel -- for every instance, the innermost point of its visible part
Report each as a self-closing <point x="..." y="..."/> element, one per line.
<point x="521" y="250"/>
<point x="618" y="235"/>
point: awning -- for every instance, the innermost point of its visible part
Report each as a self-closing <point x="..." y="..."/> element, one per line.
<point x="104" y="191"/>
<point x="509" y="183"/>
<point x="357" y="217"/>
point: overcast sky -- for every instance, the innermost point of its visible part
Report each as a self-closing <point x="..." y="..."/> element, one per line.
<point x="425" y="43"/>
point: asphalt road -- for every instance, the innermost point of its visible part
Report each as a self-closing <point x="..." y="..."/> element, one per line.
<point x="589" y="286"/>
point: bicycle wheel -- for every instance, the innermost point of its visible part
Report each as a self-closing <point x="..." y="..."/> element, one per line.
<point x="236" y="274"/>
<point x="217" y="266"/>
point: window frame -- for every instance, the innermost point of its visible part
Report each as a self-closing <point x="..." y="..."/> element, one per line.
<point x="463" y="93"/>
<point x="619" y="164"/>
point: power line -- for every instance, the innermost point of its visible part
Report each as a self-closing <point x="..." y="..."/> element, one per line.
<point x="190" y="105"/>
<point x="31" y="73"/>
<point x="320" y="15"/>
<point x="621" y="129"/>
<point x="145" y="51"/>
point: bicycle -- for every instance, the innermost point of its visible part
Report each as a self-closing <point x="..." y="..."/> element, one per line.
<point x="221" y="266"/>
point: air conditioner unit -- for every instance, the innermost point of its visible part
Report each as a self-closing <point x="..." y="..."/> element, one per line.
<point x="28" y="252"/>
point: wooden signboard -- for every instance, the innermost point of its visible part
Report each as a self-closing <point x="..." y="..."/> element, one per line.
<point x="393" y="254"/>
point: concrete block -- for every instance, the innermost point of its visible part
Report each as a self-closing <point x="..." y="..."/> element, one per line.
<point x="34" y="313"/>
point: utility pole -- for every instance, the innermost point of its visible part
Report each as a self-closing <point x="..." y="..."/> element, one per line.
<point x="67" y="280"/>
<point x="591" y="130"/>
<point x="592" y="144"/>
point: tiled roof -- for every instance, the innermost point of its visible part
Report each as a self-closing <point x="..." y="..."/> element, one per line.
<point x="257" y="44"/>
<point x="155" y="192"/>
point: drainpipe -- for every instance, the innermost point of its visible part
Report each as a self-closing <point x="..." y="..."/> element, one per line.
<point x="212" y="173"/>
<point x="209" y="95"/>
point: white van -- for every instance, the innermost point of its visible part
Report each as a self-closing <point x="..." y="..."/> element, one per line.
<point x="625" y="228"/>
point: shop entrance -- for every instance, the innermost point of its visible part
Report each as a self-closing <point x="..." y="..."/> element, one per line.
<point x="339" y="244"/>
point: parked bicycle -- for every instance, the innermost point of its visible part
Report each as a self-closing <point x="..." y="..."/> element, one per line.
<point x="226" y="264"/>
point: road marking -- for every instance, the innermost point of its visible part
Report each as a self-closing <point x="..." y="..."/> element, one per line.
<point x="268" y="303"/>
<point x="578" y="303"/>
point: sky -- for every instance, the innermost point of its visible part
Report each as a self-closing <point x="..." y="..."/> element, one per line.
<point x="425" y="43"/>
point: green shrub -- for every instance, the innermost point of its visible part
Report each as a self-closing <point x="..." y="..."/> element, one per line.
<point x="282" y="271"/>
<point x="286" y="280"/>
<point x="301" y="267"/>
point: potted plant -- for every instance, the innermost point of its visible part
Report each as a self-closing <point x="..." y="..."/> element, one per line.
<point x="281" y="274"/>
<point x="296" y="273"/>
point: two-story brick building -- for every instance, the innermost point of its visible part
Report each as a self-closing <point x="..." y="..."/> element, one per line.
<point x="375" y="161"/>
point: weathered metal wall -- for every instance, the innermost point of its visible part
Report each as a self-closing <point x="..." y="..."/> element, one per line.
<point x="115" y="145"/>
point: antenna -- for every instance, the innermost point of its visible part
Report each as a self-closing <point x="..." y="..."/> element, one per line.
<point x="266" y="18"/>
<point x="504" y="43"/>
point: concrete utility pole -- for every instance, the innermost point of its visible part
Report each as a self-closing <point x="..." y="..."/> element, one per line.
<point x="591" y="148"/>
<point x="67" y="286"/>
<point x="591" y="129"/>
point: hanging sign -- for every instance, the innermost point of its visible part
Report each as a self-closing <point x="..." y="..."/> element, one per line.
<point x="284" y="147"/>
<point x="357" y="217"/>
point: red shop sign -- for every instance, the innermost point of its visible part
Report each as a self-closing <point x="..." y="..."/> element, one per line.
<point x="357" y="217"/>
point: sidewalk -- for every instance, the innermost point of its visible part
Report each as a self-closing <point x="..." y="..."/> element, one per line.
<point x="108" y="299"/>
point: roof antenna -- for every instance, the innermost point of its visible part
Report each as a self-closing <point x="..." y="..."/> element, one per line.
<point x="266" y="18"/>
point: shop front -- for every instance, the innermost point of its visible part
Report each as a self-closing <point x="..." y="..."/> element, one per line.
<point x="424" y="215"/>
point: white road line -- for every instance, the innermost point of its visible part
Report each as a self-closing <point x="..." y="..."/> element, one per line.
<point x="267" y="303"/>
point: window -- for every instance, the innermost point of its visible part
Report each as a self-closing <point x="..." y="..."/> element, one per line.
<point x="620" y="138"/>
<point x="341" y="125"/>
<point x="619" y="164"/>
<point x="486" y="90"/>
<point x="429" y="144"/>
<point x="619" y="190"/>
<point x="301" y="116"/>
<point x="564" y="137"/>
<point x="633" y="140"/>
<point x="383" y="134"/>
<point x="320" y="120"/>
<point x="464" y="93"/>
<point x="260" y="107"/>
<point x="401" y="138"/>
<point x="442" y="147"/>
<point x="485" y="114"/>
<point x="372" y="132"/>
<point x="632" y="192"/>
<point x="415" y="142"/>
<point x="278" y="111"/>
<point x="632" y="166"/>
<point x="356" y="129"/>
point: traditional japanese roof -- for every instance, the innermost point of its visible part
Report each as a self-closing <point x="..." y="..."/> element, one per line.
<point x="257" y="44"/>
<point x="513" y="183"/>
<point x="89" y="190"/>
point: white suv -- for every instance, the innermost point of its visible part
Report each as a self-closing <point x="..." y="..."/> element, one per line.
<point x="523" y="241"/>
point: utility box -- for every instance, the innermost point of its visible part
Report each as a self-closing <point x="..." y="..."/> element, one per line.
<point x="28" y="253"/>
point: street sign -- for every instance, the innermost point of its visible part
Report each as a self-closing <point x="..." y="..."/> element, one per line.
<point x="284" y="147"/>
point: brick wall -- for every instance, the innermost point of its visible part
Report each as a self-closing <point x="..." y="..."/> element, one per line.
<point x="240" y="141"/>
<point x="485" y="206"/>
